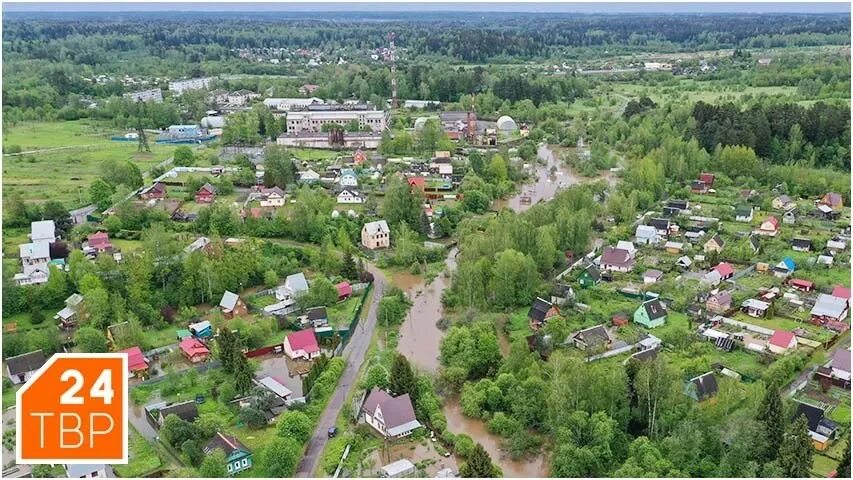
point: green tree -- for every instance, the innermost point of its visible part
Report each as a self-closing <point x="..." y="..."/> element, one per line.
<point x="213" y="465"/>
<point x="796" y="451"/>
<point x="296" y="425"/>
<point x="843" y="469"/>
<point x="514" y="278"/>
<point x="184" y="157"/>
<point x="90" y="340"/>
<point x="281" y="457"/>
<point x="771" y="415"/>
<point x="476" y="201"/>
<point x="321" y="293"/>
<point x="479" y="465"/>
<point x="401" y="205"/>
<point x="100" y="193"/>
<point x="402" y="378"/>
<point x="279" y="169"/>
<point x="377" y="376"/>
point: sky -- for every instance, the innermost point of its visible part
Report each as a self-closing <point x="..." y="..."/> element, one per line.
<point x="491" y="6"/>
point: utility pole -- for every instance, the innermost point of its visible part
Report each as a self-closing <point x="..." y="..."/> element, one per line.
<point x="392" y="59"/>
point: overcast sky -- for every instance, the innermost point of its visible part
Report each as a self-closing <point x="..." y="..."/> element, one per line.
<point x="681" y="7"/>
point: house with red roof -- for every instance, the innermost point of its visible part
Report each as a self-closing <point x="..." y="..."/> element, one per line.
<point x="99" y="242"/>
<point x="344" y="290"/>
<point x="707" y="178"/>
<point x="769" y="227"/>
<point x="153" y="192"/>
<point x="419" y="182"/>
<point x="725" y="270"/>
<point x="782" y="342"/>
<point x="205" y="194"/>
<point x="137" y="364"/>
<point x="302" y="344"/>
<point x="832" y="200"/>
<point x="194" y="350"/>
<point x="841" y="291"/>
<point x="800" y="284"/>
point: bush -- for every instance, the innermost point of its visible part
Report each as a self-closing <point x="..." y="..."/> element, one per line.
<point x="464" y="445"/>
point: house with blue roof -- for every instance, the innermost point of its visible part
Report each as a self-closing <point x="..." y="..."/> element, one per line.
<point x="784" y="268"/>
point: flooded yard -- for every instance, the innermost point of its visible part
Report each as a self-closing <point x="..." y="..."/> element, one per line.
<point x="416" y="452"/>
<point x="530" y="467"/>
<point x="280" y="367"/>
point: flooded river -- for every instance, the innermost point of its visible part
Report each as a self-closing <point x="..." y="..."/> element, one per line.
<point x="420" y="338"/>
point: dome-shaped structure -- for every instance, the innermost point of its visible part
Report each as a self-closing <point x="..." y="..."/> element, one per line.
<point x="212" y="122"/>
<point x="421" y="121"/>
<point x="506" y="124"/>
<point x="336" y="214"/>
<point x="351" y="213"/>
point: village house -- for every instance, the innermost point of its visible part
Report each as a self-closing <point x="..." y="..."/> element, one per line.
<point x="802" y="285"/>
<point x="702" y="387"/>
<point x="232" y="305"/>
<point x="42" y="231"/>
<point x="35" y="260"/>
<point x="391" y="417"/>
<point x="309" y="176"/>
<point x="755" y="308"/>
<point x="673" y="247"/>
<point x="837" y="370"/>
<point x="194" y="350"/>
<point x="272" y="197"/>
<point x="707" y="178"/>
<point x="821" y="429"/>
<point x="349" y="196"/>
<point x="836" y="245"/>
<point x="769" y="227"/>
<point x="674" y="207"/>
<point x="832" y="200"/>
<point x="784" y="268"/>
<point x="782" y="342"/>
<point x="302" y="344"/>
<point x="316" y="317"/>
<point x="783" y="202"/>
<point x="826" y="212"/>
<point x="206" y="194"/>
<point x="137" y="364"/>
<point x="186" y="411"/>
<point x="646" y="235"/>
<point x="344" y="290"/>
<point x="348" y="178"/>
<point x="237" y="456"/>
<point x="594" y="338"/>
<point x="83" y="215"/>
<point x="627" y="246"/>
<point x="202" y="329"/>
<point x="714" y="244"/>
<point x="97" y="243"/>
<point x="652" y="276"/>
<point x="663" y="226"/>
<point x="801" y="245"/>
<point x="275" y="387"/>
<point x="829" y="308"/>
<point x="21" y="368"/>
<point x="156" y="191"/>
<point x="719" y="302"/>
<point x="540" y="311"/>
<point x="200" y="243"/>
<point x="294" y="287"/>
<point x="86" y="470"/>
<point x="743" y="213"/>
<point x="789" y="217"/>
<point x="651" y="314"/>
<point x="841" y="291"/>
<point x="589" y="276"/>
<point x="376" y="235"/>
<point x="724" y="270"/>
<point x="67" y="317"/>
<point x="616" y="260"/>
<point x="699" y="187"/>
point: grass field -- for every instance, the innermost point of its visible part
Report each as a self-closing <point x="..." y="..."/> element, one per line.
<point x="46" y="175"/>
<point x="142" y="457"/>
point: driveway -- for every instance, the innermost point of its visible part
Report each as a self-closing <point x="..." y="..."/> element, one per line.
<point x="354" y="355"/>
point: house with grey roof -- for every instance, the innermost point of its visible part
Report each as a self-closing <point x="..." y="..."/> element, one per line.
<point x="376" y="235"/>
<point x="87" y="470"/>
<point x="232" y="305"/>
<point x="391" y="417"/>
<point x="21" y="368"/>
<point x="592" y="338"/>
<point x="295" y="286"/>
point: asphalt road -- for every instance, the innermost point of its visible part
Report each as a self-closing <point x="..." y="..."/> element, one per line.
<point x="354" y="355"/>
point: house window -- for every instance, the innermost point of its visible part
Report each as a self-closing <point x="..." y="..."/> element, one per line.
<point x="229" y="467"/>
<point x="245" y="462"/>
<point x="237" y="464"/>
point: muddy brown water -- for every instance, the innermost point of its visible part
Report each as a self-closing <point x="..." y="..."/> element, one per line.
<point x="420" y="338"/>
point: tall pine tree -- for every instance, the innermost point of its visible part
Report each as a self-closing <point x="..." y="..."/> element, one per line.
<point x="771" y="416"/>
<point x="402" y="377"/>
<point x="844" y="467"/>
<point x="796" y="451"/>
<point x="478" y="465"/>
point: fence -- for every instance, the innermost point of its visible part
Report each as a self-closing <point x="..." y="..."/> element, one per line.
<point x="200" y="368"/>
<point x="356" y="317"/>
<point x="262" y="351"/>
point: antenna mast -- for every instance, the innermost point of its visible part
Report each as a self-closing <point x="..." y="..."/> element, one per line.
<point x="392" y="59"/>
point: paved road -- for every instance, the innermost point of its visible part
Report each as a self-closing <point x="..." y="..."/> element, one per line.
<point x="354" y="355"/>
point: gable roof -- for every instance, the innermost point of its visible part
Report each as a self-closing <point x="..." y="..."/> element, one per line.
<point x="841" y="360"/>
<point x="303" y="340"/>
<point x="718" y="240"/>
<point x="192" y="346"/>
<point x="135" y="359"/>
<point x="539" y="309"/>
<point x="801" y="243"/>
<point x="396" y="411"/>
<point x="660" y="223"/>
<point x="296" y="282"/>
<point x="344" y="288"/>
<point x="207" y="188"/>
<point x="722" y="298"/>
<point x="772" y="221"/>
<point x="42" y="229"/>
<point x="186" y="411"/>
<point x="646" y="231"/>
<point x="679" y="204"/>
<point x="743" y="210"/>
<point x="316" y="313"/>
<point x="814" y="415"/>
<point x="787" y="263"/>
<point x="724" y="269"/>
<point x="379" y="226"/>
<point x="227" y="443"/>
<point x="652" y="273"/>
<point x="591" y="336"/>
<point x="829" y="306"/>
<point x="593" y="272"/>
<point x="833" y="199"/>
<point x="615" y="256"/>
<point x="654" y="309"/>
<point x="643" y="355"/>
<point x="26" y="362"/>
<point x="841" y="291"/>
<point x="275" y="386"/>
<point x="755" y="304"/>
<point x="39" y="249"/>
<point x="706" y="385"/>
<point x="781" y="338"/>
<point x="229" y="300"/>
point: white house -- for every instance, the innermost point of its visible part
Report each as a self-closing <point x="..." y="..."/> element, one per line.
<point x="294" y="287"/>
<point x="43" y="230"/>
<point x="647" y="235"/>
<point x="309" y="176"/>
<point x="86" y="470"/>
<point x="272" y="197"/>
<point x="348" y="178"/>
<point x="392" y="417"/>
<point x="21" y="368"/>
<point x="301" y="344"/>
<point x="350" y="196"/>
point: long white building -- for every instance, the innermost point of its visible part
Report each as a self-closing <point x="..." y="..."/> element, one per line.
<point x="152" y="95"/>
<point x="313" y="120"/>
<point x="181" y="86"/>
<point x="281" y="105"/>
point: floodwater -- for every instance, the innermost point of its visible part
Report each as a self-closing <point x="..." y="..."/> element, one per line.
<point x="530" y="467"/>
<point x="420" y="337"/>
<point x="138" y="418"/>
<point x="278" y="366"/>
<point x="415" y="452"/>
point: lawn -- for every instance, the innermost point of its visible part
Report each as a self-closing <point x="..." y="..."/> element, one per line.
<point x="9" y="397"/>
<point x="341" y="313"/>
<point x="142" y="457"/>
<point x="822" y="466"/>
<point x="45" y="175"/>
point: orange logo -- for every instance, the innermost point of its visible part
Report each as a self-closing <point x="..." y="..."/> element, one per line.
<point x="74" y="410"/>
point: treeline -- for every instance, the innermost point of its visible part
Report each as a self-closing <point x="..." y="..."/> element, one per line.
<point x="784" y="133"/>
